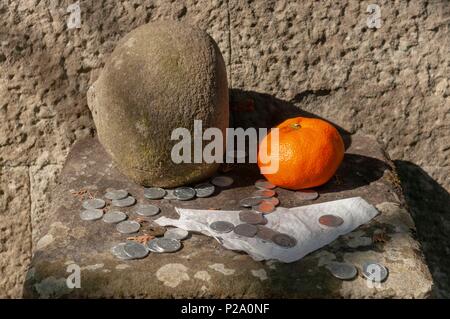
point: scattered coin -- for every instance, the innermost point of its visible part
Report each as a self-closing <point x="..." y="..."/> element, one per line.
<point x="246" y="230"/>
<point x="154" y="192"/>
<point x="306" y="194"/>
<point x="251" y="201"/>
<point x="118" y="251"/>
<point x="153" y="247"/>
<point x="147" y="210"/>
<point x="114" y="217"/>
<point x="343" y="271"/>
<point x="374" y="271"/>
<point x="170" y="194"/>
<point x="222" y="181"/>
<point x="221" y="226"/>
<point x="263" y="184"/>
<point x="135" y="250"/>
<point x="265" y="207"/>
<point x="94" y="203"/>
<point x="116" y="194"/>
<point x="168" y="245"/>
<point x="128" y="227"/>
<point x="331" y="220"/>
<point x="176" y="233"/>
<point x="204" y="189"/>
<point x="184" y="193"/>
<point x="264" y="193"/>
<point x="275" y="201"/>
<point x="253" y="218"/>
<point x="265" y="233"/>
<point x="91" y="214"/>
<point x="284" y="240"/>
<point x="125" y="202"/>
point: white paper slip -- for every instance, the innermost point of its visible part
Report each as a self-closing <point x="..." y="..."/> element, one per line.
<point x="301" y="222"/>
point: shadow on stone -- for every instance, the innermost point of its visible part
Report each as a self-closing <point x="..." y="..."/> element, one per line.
<point x="429" y="204"/>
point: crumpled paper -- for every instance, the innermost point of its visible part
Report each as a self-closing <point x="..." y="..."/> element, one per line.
<point x="298" y="222"/>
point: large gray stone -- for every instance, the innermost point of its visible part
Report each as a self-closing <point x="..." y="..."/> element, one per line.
<point x="203" y="268"/>
<point x="161" y="77"/>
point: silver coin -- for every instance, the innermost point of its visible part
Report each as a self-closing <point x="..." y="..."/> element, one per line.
<point x="125" y="202"/>
<point x="91" y="214"/>
<point x="135" y="250"/>
<point x="264" y="184"/>
<point x="251" y="217"/>
<point x="343" y="271"/>
<point x="273" y="200"/>
<point x="264" y="193"/>
<point x="116" y="194"/>
<point x="250" y="201"/>
<point x="114" y="217"/>
<point x="153" y="247"/>
<point x="118" y="251"/>
<point x="222" y="181"/>
<point x="265" y="233"/>
<point x="330" y="220"/>
<point x="284" y="240"/>
<point x="154" y="192"/>
<point x="306" y="194"/>
<point x="374" y="271"/>
<point x="128" y="227"/>
<point x="94" y="203"/>
<point x="245" y="230"/>
<point x="221" y="226"/>
<point x="204" y="190"/>
<point x="169" y="194"/>
<point x="265" y="207"/>
<point x="147" y="210"/>
<point x="176" y="233"/>
<point x="184" y="193"/>
<point x="168" y="245"/>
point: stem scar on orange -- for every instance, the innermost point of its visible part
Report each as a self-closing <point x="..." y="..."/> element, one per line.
<point x="307" y="153"/>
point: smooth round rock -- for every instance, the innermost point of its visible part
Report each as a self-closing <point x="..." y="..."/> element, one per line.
<point x="222" y="181"/>
<point x="114" y="217"/>
<point x="94" y="203"/>
<point x="343" y="271"/>
<point x="307" y="194"/>
<point x="125" y="202"/>
<point x="159" y="78"/>
<point x="250" y="201"/>
<point x="264" y="193"/>
<point x="153" y="246"/>
<point x="119" y="252"/>
<point x="184" y="193"/>
<point x="374" y="271"/>
<point x="176" y="233"/>
<point x="245" y="230"/>
<point x="204" y="190"/>
<point x="264" y="184"/>
<point x="128" y="227"/>
<point x="330" y="220"/>
<point x="147" y="210"/>
<point x="135" y="250"/>
<point x="265" y="207"/>
<point x="253" y="218"/>
<point x="168" y="245"/>
<point x="154" y="193"/>
<point x="91" y="214"/>
<point x="221" y="226"/>
<point x="116" y="194"/>
<point x="284" y="240"/>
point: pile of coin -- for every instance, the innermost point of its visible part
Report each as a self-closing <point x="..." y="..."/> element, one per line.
<point x="372" y="271"/>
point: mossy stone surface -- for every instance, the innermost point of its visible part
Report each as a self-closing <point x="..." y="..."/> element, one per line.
<point x="161" y="76"/>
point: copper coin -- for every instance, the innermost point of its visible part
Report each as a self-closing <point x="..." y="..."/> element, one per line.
<point x="264" y="193"/>
<point x="264" y="184"/>
<point x="284" y="240"/>
<point x="245" y="230"/>
<point x="265" y="207"/>
<point x="253" y="218"/>
<point x="275" y="201"/>
<point x="331" y="220"/>
<point x="251" y="201"/>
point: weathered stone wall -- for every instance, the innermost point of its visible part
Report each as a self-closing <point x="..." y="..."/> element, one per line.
<point x="391" y="82"/>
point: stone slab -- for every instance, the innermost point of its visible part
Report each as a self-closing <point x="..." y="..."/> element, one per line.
<point x="203" y="268"/>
